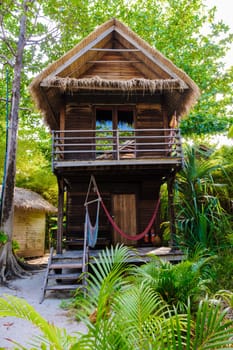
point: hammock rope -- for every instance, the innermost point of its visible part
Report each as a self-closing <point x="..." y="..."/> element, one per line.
<point x="112" y="222"/>
<point x="138" y="236"/>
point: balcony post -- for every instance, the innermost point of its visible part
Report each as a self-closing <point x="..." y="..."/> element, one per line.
<point x="60" y="214"/>
<point x="53" y="149"/>
<point x="118" y="144"/>
<point x="171" y="211"/>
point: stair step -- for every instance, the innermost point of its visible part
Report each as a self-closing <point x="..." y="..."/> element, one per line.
<point x="66" y="266"/>
<point x="64" y="287"/>
<point x="64" y="276"/>
<point x="68" y="258"/>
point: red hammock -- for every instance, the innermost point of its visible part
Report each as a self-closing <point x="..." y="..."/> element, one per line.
<point x="117" y="228"/>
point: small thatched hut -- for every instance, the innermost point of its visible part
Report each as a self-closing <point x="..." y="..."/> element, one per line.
<point x="30" y="211"/>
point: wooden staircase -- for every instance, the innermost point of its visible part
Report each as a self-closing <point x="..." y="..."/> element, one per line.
<point x="65" y="272"/>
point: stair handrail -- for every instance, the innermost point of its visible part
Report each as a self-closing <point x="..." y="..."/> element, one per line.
<point x="46" y="275"/>
<point x="85" y="259"/>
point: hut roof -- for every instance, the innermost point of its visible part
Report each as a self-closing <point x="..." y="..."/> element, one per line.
<point x="81" y="69"/>
<point x="29" y="200"/>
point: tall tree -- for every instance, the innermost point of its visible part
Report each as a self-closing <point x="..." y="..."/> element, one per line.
<point x="7" y="258"/>
<point x="18" y="21"/>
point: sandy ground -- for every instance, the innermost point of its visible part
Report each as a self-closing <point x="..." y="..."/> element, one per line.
<point x="30" y="289"/>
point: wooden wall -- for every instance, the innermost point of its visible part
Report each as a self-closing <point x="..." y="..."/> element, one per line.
<point x="146" y="195"/>
<point x="113" y="66"/>
<point x="150" y="116"/>
<point x="82" y="117"/>
<point x="78" y="117"/>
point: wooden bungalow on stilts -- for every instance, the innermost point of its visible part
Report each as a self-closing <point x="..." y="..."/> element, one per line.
<point x="113" y="104"/>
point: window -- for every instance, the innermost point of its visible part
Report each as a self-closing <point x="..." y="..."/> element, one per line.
<point x="114" y="131"/>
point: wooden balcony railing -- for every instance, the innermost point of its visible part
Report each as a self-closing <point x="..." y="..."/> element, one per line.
<point x="107" y="145"/>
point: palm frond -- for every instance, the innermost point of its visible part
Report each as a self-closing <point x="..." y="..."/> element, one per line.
<point x="56" y="338"/>
<point x="212" y="329"/>
<point x="136" y="310"/>
<point x="105" y="280"/>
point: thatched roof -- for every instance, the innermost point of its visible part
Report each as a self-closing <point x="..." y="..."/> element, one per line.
<point x="72" y="84"/>
<point x="82" y="69"/>
<point x="29" y="200"/>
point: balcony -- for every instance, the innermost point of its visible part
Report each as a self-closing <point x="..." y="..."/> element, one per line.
<point x="76" y="148"/>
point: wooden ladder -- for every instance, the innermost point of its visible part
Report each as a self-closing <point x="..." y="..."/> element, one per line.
<point x="59" y="275"/>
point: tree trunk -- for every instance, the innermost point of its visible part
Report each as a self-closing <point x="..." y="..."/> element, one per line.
<point x="8" y="262"/>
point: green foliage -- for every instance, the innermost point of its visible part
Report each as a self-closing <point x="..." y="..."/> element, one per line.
<point x="138" y="318"/>
<point x="54" y="338"/>
<point x="225" y="157"/>
<point x="200" y="217"/>
<point x="106" y="279"/>
<point x="3" y="238"/>
<point x="132" y="315"/>
<point x="230" y="132"/>
<point x="226" y="296"/>
<point x="15" y="245"/>
<point x="203" y="124"/>
<point x="176" y="284"/>
<point x="210" y="327"/>
<point x="223" y="270"/>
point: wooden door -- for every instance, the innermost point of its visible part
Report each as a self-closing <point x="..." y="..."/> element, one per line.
<point x="124" y="211"/>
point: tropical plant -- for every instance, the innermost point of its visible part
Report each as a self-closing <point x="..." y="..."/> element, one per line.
<point x="223" y="270"/>
<point x="105" y="280"/>
<point x="212" y="329"/>
<point x="140" y="321"/>
<point x="225" y="194"/>
<point x="142" y="311"/>
<point x="53" y="338"/>
<point x="200" y="217"/>
<point x="176" y="284"/>
<point x="131" y="316"/>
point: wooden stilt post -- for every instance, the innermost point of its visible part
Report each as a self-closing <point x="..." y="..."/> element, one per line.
<point x="171" y="211"/>
<point x="60" y="214"/>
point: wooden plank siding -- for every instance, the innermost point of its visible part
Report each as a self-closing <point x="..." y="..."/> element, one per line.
<point x="75" y="214"/>
<point x="138" y="197"/>
<point x="156" y="72"/>
<point x="113" y="66"/>
<point x="150" y="116"/>
<point x="78" y="117"/>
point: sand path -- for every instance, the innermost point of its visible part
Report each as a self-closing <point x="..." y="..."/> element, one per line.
<point x="30" y="289"/>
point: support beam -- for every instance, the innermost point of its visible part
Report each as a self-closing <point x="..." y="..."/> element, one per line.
<point x="114" y="50"/>
<point x="171" y="211"/>
<point x="60" y="214"/>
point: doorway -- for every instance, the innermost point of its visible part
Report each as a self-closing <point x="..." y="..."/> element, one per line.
<point x="124" y="211"/>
